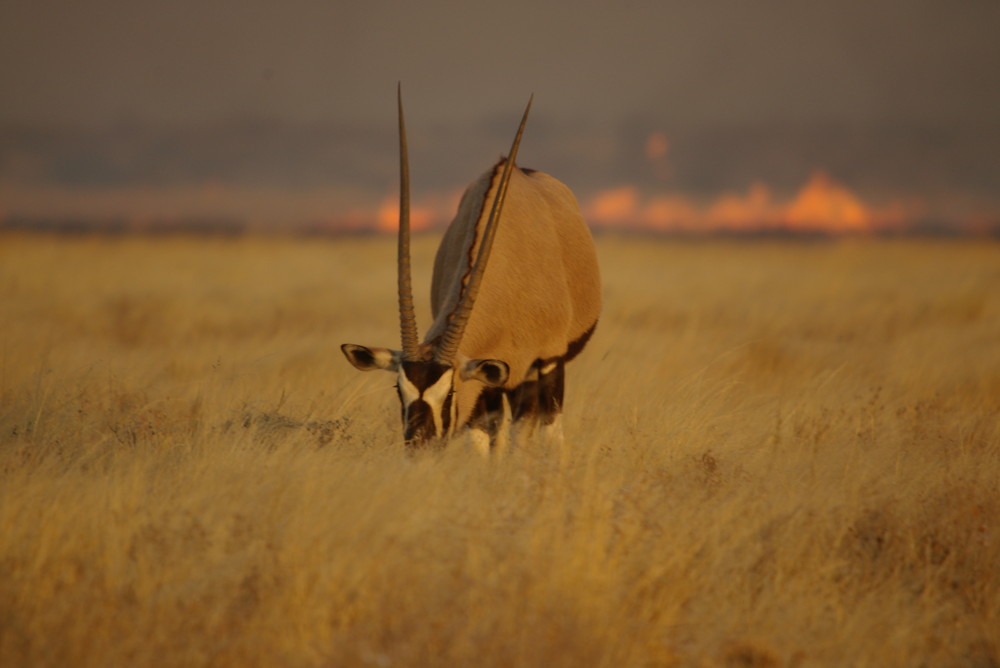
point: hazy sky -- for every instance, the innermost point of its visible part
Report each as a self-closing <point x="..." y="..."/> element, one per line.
<point x="698" y="62"/>
<point x="132" y="108"/>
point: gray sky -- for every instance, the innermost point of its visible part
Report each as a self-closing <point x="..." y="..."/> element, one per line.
<point x="710" y="61"/>
<point x="896" y="99"/>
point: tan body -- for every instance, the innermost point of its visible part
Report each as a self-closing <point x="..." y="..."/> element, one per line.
<point x="541" y="290"/>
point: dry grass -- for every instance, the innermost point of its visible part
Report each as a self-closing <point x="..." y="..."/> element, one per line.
<point x="777" y="455"/>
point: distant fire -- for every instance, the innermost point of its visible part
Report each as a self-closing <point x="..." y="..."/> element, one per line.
<point x="821" y="205"/>
<point x="425" y="212"/>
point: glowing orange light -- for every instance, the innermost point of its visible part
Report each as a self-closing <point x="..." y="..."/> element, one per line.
<point x="821" y="205"/>
<point x="825" y="205"/>
<point x="657" y="146"/>
<point x="752" y="211"/>
<point x="614" y="207"/>
<point x="670" y="212"/>
<point x="422" y="215"/>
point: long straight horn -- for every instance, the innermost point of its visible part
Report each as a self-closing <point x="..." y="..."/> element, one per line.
<point x="452" y="337"/>
<point x="407" y="315"/>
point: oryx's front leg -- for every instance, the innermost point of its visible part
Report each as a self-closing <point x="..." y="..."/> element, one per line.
<point x="489" y="428"/>
<point x="537" y="402"/>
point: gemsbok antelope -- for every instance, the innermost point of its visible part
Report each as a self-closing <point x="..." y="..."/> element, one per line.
<point x="515" y="295"/>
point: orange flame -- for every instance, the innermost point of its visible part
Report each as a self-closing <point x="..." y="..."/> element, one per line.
<point x="613" y="207"/>
<point x="742" y="212"/>
<point x="424" y="214"/>
<point x="821" y="205"/>
<point x="825" y="205"/>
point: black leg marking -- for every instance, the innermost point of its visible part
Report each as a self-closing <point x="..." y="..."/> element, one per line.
<point x="524" y="399"/>
<point x="551" y="387"/>
<point x="540" y="400"/>
<point x="487" y="414"/>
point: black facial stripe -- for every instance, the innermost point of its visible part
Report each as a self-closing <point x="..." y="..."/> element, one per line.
<point x="419" y="421"/>
<point x="419" y="416"/>
<point x="446" y="412"/>
<point x="424" y="374"/>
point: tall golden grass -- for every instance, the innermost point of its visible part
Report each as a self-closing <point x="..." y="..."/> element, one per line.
<point x="777" y="454"/>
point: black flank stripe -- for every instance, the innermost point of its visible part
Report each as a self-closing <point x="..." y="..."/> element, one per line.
<point x="576" y="347"/>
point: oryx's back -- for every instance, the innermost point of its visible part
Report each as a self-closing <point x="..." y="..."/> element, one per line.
<point x="540" y="296"/>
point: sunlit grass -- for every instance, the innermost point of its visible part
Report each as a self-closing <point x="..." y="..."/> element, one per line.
<point x="776" y="455"/>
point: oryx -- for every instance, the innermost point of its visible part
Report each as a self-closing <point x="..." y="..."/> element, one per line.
<point x="515" y="295"/>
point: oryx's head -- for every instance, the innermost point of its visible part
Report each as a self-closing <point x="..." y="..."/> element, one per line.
<point x="426" y="375"/>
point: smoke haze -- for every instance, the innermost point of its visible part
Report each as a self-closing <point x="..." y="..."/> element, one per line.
<point x="286" y="115"/>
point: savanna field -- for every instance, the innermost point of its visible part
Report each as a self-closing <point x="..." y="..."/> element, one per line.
<point x="776" y="454"/>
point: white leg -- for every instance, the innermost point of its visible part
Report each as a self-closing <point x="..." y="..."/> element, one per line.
<point x="479" y="441"/>
<point x="553" y="433"/>
<point x="503" y="439"/>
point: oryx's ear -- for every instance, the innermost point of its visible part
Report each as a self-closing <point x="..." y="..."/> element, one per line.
<point x="489" y="372"/>
<point x="369" y="359"/>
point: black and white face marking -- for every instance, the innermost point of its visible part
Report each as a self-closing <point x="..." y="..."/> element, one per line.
<point x="426" y="389"/>
<point x="426" y="394"/>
